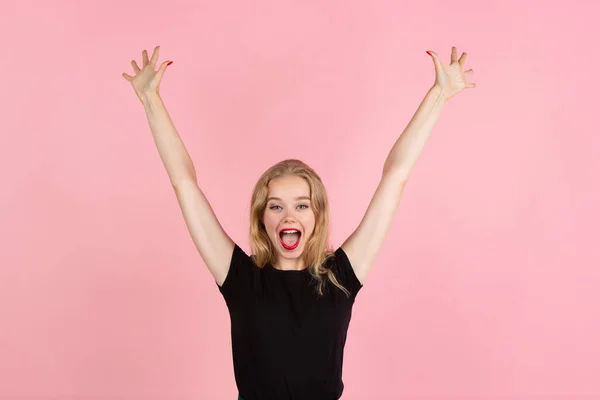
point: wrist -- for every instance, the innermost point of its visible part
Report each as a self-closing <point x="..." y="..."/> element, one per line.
<point x="150" y="98"/>
<point x="438" y="92"/>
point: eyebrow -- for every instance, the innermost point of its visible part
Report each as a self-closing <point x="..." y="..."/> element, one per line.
<point x="297" y="198"/>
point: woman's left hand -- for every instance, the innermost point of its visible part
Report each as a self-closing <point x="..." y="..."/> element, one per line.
<point x="451" y="78"/>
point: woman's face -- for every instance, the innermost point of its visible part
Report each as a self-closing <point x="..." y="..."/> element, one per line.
<point x="289" y="208"/>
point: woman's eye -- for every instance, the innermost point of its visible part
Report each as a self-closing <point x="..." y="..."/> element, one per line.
<point x="302" y="206"/>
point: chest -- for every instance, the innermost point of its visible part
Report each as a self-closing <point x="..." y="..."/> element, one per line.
<point x="289" y="306"/>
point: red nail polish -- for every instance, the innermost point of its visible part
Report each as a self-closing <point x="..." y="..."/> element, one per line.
<point x="170" y="62"/>
<point x="428" y="52"/>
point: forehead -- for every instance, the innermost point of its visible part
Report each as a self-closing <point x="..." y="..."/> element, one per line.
<point x="290" y="186"/>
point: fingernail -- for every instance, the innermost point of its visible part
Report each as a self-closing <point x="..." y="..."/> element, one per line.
<point x="170" y="62"/>
<point x="428" y="52"/>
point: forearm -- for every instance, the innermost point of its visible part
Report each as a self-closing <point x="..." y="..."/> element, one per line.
<point x="408" y="147"/>
<point x="171" y="148"/>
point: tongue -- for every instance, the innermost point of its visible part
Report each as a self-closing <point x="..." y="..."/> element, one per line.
<point x="290" y="238"/>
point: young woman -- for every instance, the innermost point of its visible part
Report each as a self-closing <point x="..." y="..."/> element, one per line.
<point x="290" y="302"/>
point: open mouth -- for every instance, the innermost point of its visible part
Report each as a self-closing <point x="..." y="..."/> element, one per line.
<point x="289" y="238"/>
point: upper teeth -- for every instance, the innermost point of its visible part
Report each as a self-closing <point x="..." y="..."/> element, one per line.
<point x="291" y="231"/>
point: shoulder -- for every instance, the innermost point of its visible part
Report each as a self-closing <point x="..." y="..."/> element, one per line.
<point x="339" y="263"/>
<point x="241" y="270"/>
<point x="337" y="260"/>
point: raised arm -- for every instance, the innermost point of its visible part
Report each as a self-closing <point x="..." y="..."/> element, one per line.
<point x="213" y="244"/>
<point x="365" y="242"/>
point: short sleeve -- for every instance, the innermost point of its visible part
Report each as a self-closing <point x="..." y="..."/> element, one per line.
<point x="239" y="274"/>
<point x="345" y="273"/>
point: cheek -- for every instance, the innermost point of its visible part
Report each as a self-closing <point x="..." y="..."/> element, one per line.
<point x="309" y="223"/>
<point x="270" y="222"/>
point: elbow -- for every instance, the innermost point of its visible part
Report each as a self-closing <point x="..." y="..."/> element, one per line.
<point x="396" y="173"/>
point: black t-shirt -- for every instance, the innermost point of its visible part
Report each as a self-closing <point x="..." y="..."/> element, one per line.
<point x="287" y="341"/>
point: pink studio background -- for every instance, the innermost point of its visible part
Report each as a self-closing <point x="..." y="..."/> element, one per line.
<point x="488" y="284"/>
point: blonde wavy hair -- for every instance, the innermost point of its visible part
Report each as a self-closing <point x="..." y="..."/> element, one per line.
<point x="317" y="250"/>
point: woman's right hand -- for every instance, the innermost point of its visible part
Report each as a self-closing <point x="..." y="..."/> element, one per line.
<point x="146" y="80"/>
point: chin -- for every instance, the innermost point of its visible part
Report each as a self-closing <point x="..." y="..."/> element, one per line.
<point x="293" y="253"/>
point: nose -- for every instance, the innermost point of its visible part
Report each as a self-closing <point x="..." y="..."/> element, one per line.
<point x="288" y="217"/>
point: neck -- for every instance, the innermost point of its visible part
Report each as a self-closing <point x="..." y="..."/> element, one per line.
<point x="290" y="264"/>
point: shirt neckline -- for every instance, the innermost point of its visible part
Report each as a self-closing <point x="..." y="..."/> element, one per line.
<point x="288" y="271"/>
